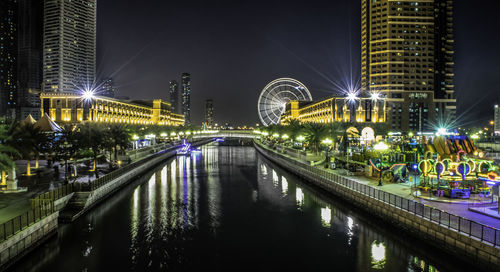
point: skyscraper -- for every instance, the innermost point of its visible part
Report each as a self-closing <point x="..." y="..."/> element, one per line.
<point x="174" y="96"/>
<point x="69" y="48"/>
<point x="209" y="113"/>
<point x="8" y="56"/>
<point x="29" y="62"/>
<point x="407" y="55"/>
<point x="186" y="97"/>
<point x="107" y="88"/>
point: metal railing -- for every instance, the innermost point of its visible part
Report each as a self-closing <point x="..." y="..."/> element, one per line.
<point x="55" y="194"/>
<point x="21" y="222"/>
<point x="460" y="224"/>
<point x="120" y="171"/>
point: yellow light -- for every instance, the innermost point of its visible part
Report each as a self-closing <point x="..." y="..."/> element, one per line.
<point x="327" y="141"/>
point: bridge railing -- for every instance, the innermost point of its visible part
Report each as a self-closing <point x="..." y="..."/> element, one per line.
<point x="454" y="222"/>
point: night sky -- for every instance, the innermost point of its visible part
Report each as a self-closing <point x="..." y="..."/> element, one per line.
<point x="234" y="48"/>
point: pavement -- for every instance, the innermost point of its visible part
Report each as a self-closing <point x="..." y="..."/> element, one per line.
<point x="43" y="180"/>
<point x="458" y="207"/>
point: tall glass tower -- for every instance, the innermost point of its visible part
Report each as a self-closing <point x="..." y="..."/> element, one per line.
<point x="174" y="96"/>
<point x="69" y="45"/>
<point x="8" y="56"/>
<point x="407" y="55"/>
<point x="186" y="97"/>
<point x="209" y="113"/>
<point x="29" y="63"/>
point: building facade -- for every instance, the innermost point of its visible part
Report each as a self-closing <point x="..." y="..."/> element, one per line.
<point x="29" y="64"/>
<point x="174" y="95"/>
<point x="209" y="113"/>
<point x="71" y="108"/>
<point x="407" y="55"/>
<point x="186" y="97"/>
<point x="335" y="109"/>
<point x="8" y="57"/>
<point x="69" y="45"/>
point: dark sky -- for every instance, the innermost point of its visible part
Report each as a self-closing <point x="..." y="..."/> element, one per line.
<point x="234" y="48"/>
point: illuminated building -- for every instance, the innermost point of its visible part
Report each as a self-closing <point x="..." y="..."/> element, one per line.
<point x="335" y="109"/>
<point x="497" y="120"/>
<point x="8" y="56"/>
<point x="407" y="55"/>
<point x="29" y="61"/>
<point x="209" y="113"/>
<point x="72" y="108"/>
<point x="69" y="45"/>
<point x="174" y="96"/>
<point x="186" y="97"/>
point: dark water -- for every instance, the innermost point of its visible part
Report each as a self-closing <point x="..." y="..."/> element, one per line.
<point x="225" y="209"/>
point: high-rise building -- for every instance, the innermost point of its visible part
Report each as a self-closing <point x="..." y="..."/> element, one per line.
<point x="29" y="61"/>
<point x="186" y="97"/>
<point x="174" y="96"/>
<point x="209" y="113"/>
<point x="69" y="45"/>
<point x="107" y="88"/>
<point x="8" y="57"/>
<point x="407" y="55"/>
<point x="496" y="125"/>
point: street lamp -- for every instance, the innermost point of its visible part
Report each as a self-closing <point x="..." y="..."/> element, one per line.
<point x="375" y="96"/>
<point x="381" y="147"/>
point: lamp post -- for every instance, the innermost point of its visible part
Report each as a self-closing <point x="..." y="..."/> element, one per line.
<point x="381" y="147"/>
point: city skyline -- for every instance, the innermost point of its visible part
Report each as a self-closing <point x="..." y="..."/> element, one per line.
<point x="259" y="52"/>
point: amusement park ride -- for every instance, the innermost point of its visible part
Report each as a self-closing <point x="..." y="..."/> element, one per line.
<point x="449" y="166"/>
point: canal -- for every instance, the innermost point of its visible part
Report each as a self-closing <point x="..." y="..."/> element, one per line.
<point x="228" y="208"/>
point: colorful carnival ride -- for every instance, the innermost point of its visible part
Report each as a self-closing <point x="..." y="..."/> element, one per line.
<point x="457" y="167"/>
<point x="448" y="166"/>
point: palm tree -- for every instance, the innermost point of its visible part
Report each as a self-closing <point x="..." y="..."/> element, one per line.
<point x="6" y="153"/>
<point x="92" y="137"/>
<point x="315" y="133"/>
<point x="67" y="146"/>
<point x="337" y="130"/>
<point x="28" y="140"/>
<point x="293" y="128"/>
<point x="120" y="138"/>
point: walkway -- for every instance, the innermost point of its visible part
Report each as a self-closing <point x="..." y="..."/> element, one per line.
<point x="404" y="190"/>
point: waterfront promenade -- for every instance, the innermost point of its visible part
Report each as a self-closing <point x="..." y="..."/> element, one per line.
<point x="404" y="190"/>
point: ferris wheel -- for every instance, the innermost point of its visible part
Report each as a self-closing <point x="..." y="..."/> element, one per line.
<point x="276" y="94"/>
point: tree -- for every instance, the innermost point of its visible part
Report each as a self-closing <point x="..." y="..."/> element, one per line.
<point x="92" y="136"/>
<point x="293" y="128"/>
<point x="29" y="141"/>
<point x="67" y="146"/>
<point x="120" y="138"/>
<point x="315" y="133"/>
<point x="7" y="152"/>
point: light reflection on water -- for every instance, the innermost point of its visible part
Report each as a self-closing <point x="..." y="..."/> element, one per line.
<point x="220" y="209"/>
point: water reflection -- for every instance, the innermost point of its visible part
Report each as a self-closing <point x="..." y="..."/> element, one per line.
<point x="222" y="209"/>
<point x="374" y="250"/>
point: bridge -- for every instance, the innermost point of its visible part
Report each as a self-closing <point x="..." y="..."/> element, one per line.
<point x="242" y="134"/>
